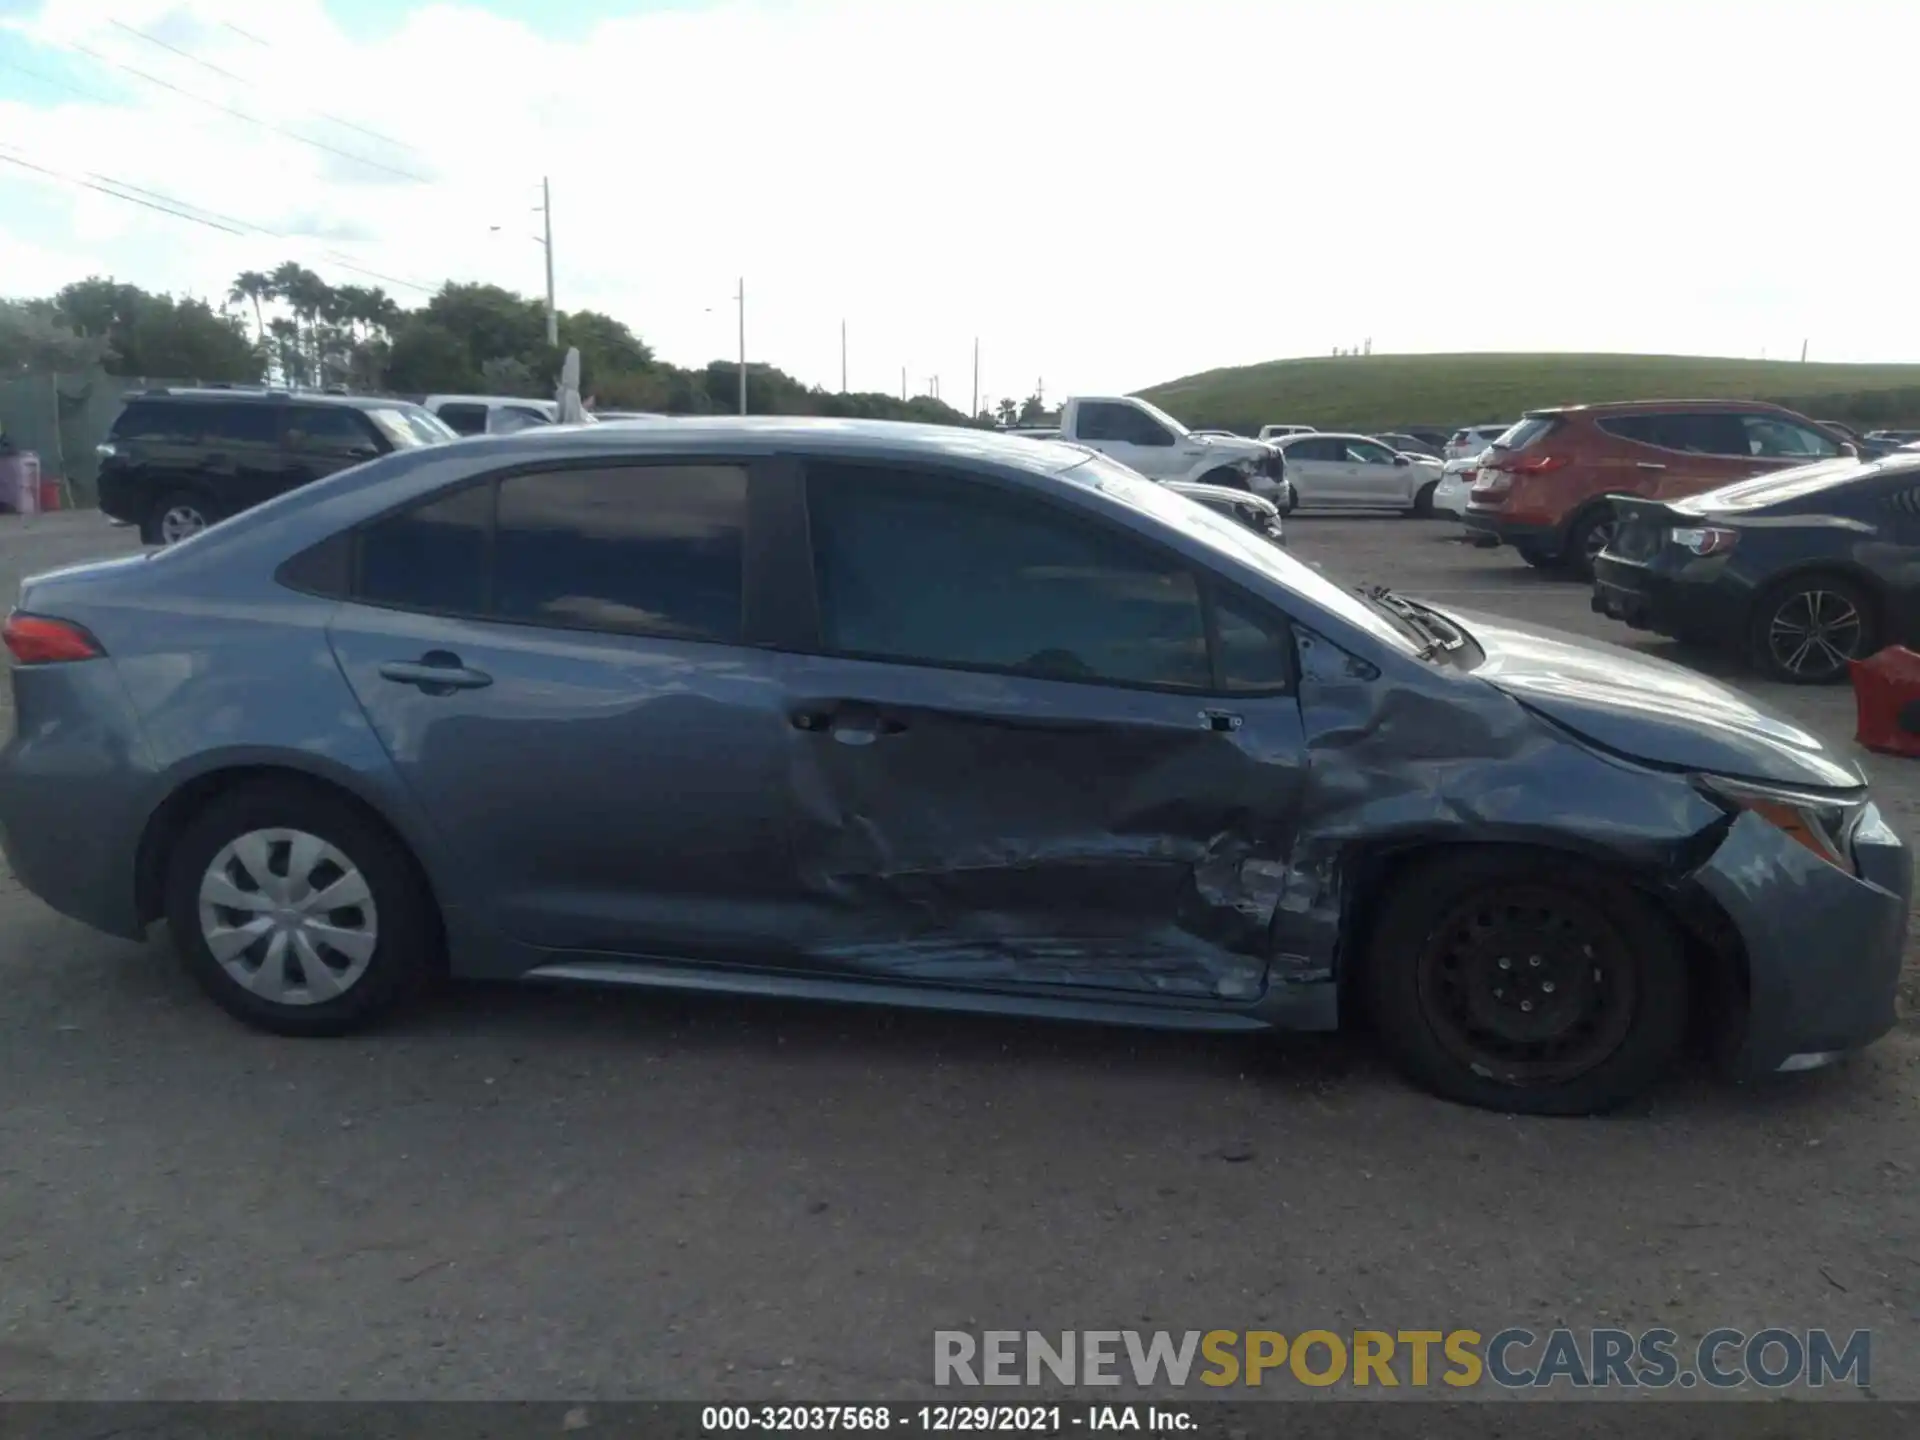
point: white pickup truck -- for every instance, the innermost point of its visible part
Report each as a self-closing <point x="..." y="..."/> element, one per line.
<point x="1149" y="440"/>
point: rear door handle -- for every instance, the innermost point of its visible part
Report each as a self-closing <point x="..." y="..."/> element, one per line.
<point x="1220" y="720"/>
<point x="850" y="724"/>
<point x="437" y="672"/>
<point x="1648" y="465"/>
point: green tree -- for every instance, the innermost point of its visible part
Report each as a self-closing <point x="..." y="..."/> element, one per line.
<point x="427" y="358"/>
<point x="256" y="286"/>
<point x="1006" y="412"/>
<point x="33" y="337"/>
<point x="1032" y="410"/>
<point x="158" y="335"/>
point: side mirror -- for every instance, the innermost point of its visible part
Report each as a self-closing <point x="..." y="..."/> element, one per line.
<point x="1849" y="449"/>
<point x="1402" y="461"/>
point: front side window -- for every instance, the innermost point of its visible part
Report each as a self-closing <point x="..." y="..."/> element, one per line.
<point x="1255" y="652"/>
<point x="1316" y="447"/>
<point x="1775" y="438"/>
<point x="1103" y="422"/>
<point x="915" y="568"/>
<point x="1365" y="452"/>
<point x="646" y="549"/>
<point x="242" y="424"/>
<point x="332" y="429"/>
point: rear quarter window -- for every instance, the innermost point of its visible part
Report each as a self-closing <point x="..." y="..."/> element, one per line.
<point x="159" y="422"/>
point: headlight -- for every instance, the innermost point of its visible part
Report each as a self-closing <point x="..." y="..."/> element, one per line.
<point x="1823" y="823"/>
<point x="1705" y="539"/>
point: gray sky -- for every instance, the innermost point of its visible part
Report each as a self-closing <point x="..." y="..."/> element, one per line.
<point x="1108" y="194"/>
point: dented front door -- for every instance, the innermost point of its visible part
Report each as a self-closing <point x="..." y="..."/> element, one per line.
<point x="1021" y="833"/>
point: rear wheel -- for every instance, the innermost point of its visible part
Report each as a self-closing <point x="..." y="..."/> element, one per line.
<point x="178" y="517"/>
<point x="1423" y="501"/>
<point x="1591" y="532"/>
<point x="1536" y="557"/>
<point x="1806" y="631"/>
<point x="298" y="913"/>
<point x="1524" y="983"/>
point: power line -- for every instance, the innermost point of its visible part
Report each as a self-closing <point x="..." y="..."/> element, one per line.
<point x="212" y="219"/>
<point x="190" y="57"/>
<point x="250" y="119"/>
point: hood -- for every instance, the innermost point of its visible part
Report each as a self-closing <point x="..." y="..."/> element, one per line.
<point x="1652" y="710"/>
<point x="1232" y="445"/>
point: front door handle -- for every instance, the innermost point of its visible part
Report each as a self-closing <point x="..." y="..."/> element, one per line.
<point x="438" y="672"/>
<point x="1220" y="720"/>
<point x="848" y="723"/>
<point x="1648" y="465"/>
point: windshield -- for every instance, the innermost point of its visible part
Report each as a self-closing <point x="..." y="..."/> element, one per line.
<point x="1779" y="485"/>
<point x="1241" y="544"/>
<point x="409" y="427"/>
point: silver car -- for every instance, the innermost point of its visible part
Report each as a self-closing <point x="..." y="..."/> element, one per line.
<point x="923" y="716"/>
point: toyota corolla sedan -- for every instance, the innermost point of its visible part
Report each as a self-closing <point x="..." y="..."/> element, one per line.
<point x="923" y="717"/>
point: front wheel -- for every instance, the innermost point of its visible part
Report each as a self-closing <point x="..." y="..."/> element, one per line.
<point x="1527" y="984"/>
<point x="1807" y="631"/>
<point x="1536" y="557"/>
<point x="297" y="913"/>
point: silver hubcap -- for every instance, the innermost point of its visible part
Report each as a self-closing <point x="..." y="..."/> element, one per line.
<point x="180" y="522"/>
<point x="1815" y="633"/>
<point x="288" y="916"/>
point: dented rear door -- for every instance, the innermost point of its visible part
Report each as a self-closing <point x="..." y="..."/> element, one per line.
<point x="1016" y="762"/>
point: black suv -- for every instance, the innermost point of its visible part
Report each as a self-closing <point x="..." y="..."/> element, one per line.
<point x="177" y="461"/>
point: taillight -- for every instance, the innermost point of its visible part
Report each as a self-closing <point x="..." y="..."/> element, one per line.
<point x="1491" y="482"/>
<point x="37" y="640"/>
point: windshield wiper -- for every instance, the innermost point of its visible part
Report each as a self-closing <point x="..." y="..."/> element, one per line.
<point x="1439" y="635"/>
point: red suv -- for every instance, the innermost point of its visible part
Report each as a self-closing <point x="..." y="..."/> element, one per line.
<point x="1544" y="487"/>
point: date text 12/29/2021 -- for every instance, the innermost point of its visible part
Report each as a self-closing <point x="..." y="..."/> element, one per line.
<point x="943" y="1419"/>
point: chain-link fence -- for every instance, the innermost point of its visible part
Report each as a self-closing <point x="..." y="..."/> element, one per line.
<point x="61" y="417"/>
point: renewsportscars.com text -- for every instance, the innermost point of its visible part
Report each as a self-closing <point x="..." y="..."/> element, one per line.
<point x="1513" y="1358"/>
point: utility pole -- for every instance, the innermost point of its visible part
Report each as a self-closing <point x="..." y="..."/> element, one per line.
<point x="976" y="378"/>
<point x="741" y="297"/>
<point x="546" y="214"/>
<point x="903" y="383"/>
<point x="933" y="386"/>
<point x="843" y="357"/>
<point x="1803" y="352"/>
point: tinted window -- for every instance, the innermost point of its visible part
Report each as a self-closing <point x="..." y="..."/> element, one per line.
<point x="652" y="549"/>
<point x="159" y="422"/>
<point x="1365" y="452"/>
<point x="241" y="424"/>
<point x="1694" y="432"/>
<point x="1103" y="422"/>
<point x="1772" y="436"/>
<point x="464" y="419"/>
<point x="1317" y="447"/>
<point x="511" y="418"/>
<point x="332" y="428"/>
<point x="1255" y="651"/>
<point x="1527" y="431"/>
<point x="432" y="557"/>
<point x="915" y="568"/>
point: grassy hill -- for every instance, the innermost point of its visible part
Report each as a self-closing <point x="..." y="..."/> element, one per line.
<point x="1383" y="392"/>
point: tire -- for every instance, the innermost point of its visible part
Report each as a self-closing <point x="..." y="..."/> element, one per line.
<point x="377" y="949"/>
<point x="1587" y="536"/>
<point x="1454" y="1018"/>
<point x="1836" y="618"/>
<point x="1539" y="559"/>
<point x="176" y="517"/>
<point x="1423" y="501"/>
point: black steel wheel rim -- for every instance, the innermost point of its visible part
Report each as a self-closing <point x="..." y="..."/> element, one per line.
<point x="1528" y="985"/>
<point x="1599" y="536"/>
<point x="1815" y="632"/>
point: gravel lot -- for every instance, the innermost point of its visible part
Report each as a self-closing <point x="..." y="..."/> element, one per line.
<point x="544" y="1195"/>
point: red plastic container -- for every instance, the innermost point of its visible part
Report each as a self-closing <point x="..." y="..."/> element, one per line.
<point x="1886" y="696"/>
<point x="49" y="495"/>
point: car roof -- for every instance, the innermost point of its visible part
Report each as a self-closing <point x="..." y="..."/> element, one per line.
<point x="202" y="395"/>
<point x="1645" y="407"/>
<point x="534" y="400"/>
<point x="820" y="434"/>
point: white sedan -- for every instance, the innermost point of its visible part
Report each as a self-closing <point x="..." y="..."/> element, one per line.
<point x="1456" y="479"/>
<point x="1357" y="471"/>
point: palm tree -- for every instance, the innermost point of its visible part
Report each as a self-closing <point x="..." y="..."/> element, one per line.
<point x="293" y="364"/>
<point x="255" y="286"/>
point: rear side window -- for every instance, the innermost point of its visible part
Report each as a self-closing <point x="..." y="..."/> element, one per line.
<point x="464" y="419"/>
<point x="653" y="550"/>
<point x="159" y="422"/>
<point x="430" y="557"/>
<point x="925" y="570"/>
<point x="1692" y="432"/>
<point x="241" y="424"/>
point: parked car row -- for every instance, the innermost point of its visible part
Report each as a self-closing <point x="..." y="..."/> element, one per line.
<point x="927" y="717"/>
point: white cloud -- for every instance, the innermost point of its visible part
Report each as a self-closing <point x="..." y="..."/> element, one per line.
<point x="1107" y="194"/>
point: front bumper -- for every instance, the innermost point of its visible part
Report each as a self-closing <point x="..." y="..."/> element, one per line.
<point x="1823" y="948"/>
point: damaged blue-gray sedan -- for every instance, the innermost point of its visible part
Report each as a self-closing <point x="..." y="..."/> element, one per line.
<point x="924" y="717"/>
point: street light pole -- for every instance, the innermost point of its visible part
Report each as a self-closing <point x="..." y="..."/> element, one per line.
<point x="741" y="296"/>
<point x="843" y="357"/>
<point x="546" y="214"/>
<point x="976" y="378"/>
